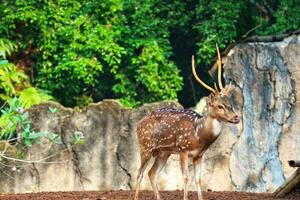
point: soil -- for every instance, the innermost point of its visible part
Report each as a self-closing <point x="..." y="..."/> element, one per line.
<point x="144" y="195"/>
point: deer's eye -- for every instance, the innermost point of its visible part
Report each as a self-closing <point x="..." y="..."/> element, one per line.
<point x="220" y="107"/>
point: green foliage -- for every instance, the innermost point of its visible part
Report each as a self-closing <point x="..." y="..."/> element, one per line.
<point x="10" y="79"/>
<point x="137" y="51"/>
<point x="82" y="101"/>
<point x="14" y="117"/>
<point x="78" y="138"/>
<point x="14" y="82"/>
<point x="153" y="76"/>
<point x="53" y="110"/>
<point x="31" y="96"/>
<point x="10" y="116"/>
<point x="286" y="18"/>
<point x="14" y="123"/>
<point x="6" y="48"/>
<point x="217" y="24"/>
<point x="82" y="51"/>
<point x="54" y="138"/>
<point x="29" y="136"/>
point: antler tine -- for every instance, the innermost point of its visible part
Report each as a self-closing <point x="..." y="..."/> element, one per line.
<point x="198" y="79"/>
<point x="219" y="62"/>
<point x="229" y="89"/>
<point x="216" y="88"/>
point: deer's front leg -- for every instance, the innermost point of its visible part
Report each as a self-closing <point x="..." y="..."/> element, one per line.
<point x="184" y="161"/>
<point x="197" y="173"/>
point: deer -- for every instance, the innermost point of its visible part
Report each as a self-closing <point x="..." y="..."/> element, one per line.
<point x="169" y="131"/>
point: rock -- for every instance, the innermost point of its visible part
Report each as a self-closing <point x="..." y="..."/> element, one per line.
<point x="253" y="156"/>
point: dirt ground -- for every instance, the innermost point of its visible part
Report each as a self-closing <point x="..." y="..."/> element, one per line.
<point x="145" y="195"/>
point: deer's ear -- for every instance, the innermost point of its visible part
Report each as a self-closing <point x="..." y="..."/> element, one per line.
<point x="211" y="99"/>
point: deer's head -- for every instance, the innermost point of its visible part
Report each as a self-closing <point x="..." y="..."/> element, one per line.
<point x="219" y="104"/>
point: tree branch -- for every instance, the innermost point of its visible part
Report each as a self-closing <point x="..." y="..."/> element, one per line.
<point x="42" y="160"/>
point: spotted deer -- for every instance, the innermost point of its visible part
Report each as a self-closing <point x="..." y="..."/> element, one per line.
<point x="169" y="131"/>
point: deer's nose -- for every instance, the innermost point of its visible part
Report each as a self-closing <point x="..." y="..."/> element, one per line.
<point x="236" y="119"/>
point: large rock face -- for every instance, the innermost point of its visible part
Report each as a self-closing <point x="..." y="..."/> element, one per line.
<point x="109" y="159"/>
<point x="249" y="157"/>
<point x="253" y="156"/>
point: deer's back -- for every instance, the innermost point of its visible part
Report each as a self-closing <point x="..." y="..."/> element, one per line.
<point x="168" y="129"/>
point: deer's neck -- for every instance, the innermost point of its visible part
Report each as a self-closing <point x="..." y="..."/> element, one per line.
<point x="210" y="126"/>
<point x="216" y="126"/>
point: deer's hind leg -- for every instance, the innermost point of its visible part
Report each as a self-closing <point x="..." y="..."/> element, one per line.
<point x="145" y="157"/>
<point x="158" y="165"/>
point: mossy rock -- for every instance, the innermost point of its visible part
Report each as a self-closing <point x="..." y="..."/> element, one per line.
<point x="10" y="150"/>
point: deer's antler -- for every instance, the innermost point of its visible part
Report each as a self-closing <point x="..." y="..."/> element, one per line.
<point x="198" y="79"/>
<point x="228" y="90"/>
<point x="219" y="62"/>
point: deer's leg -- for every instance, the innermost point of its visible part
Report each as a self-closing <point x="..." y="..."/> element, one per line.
<point x="144" y="162"/>
<point x="184" y="161"/>
<point x="158" y="165"/>
<point x="197" y="172"/>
